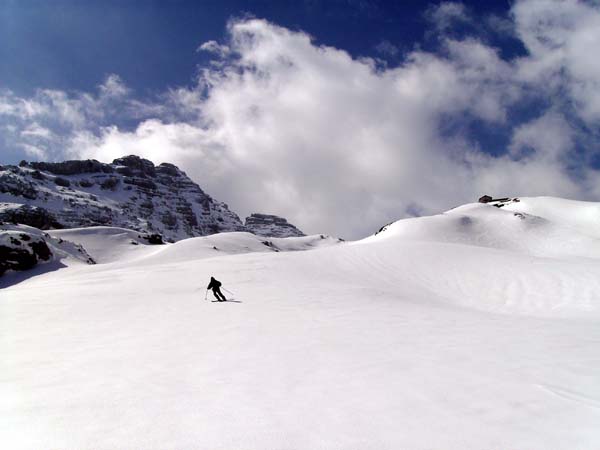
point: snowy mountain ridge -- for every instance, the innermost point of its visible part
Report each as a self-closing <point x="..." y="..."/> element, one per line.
<point x="131" y="193"/>
<point x="540" y="226"/>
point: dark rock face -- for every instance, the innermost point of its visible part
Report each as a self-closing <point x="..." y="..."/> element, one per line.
<point x="136" y="165"/>
<point x="85" y="183"/>
<point x="271" y="226"/>
<point x="22" y="252"/>
<point x="60" y="181"/>
<point x="497" y="202"/>
<point x="168" y="169"/>
<point x="11" y="183"/>
<point x="154" y="239"/>
<point x="70" y="167"/>
<point x="37" y="175"/>
<point x="40" y="250"/>
<point x="23" y="247"/>
<point x="109" y="183"/>
<point x="141" y="182"/>
<point x="130" y="193"/>
<point x="30" y="215"/>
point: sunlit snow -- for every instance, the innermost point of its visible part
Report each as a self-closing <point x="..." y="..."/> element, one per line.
<point x="478" y="328"/>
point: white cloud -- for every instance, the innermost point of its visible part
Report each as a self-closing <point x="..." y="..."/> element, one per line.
<point x="445" y="15"/>
<point x="562" y="38"/>
<point x="546" y="138"/>
<point x="34" y="152"/>
<point x="113" y="87"/>
<point x="214" y="47"/>
<point x="339" y="145"/>
<point x="35" y="130"/>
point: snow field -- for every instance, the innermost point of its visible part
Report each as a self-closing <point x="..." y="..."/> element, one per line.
<point x="393" y="342"/>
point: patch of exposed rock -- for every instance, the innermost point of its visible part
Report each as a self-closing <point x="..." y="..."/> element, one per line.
<point x="21" y="251"/>
<point x="34" y="216"/>
<point x="268" y="225"/>
<point x="22" y="248"/>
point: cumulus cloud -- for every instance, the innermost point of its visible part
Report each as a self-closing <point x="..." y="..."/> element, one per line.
<point x="562" y="39"/>
<point x="548" y="138"/>
<point x="45" y="123"/>
<point x="278" y="124"/>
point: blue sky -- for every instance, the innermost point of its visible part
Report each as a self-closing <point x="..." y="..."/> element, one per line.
<point x="339" y="115"/>
<point x="73" y="44"/>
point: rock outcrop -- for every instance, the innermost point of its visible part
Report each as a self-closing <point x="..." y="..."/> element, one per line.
<point x="21" y="251"/>
<point x="496" y="201"/>
<point x="131" y="192"/>
<point x="23" y="247"/>
<point x="271" y="226"/>
<point x="34" y="216"/>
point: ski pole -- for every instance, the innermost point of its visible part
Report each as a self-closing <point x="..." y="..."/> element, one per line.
<point x="205" y="294"/>
<point x="227" y="290"/>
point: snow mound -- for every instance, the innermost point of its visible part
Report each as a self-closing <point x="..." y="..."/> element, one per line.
<point x="120" y="245"/>
<point x="583" y="217"/>
<point x="502" y="259"/>
<point x="235" y="243"/>
<point x="560" y="232"/>
<point x="108" y="244"/>
<point x="305" y="242"/>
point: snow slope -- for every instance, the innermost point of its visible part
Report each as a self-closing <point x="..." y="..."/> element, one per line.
<point x="111" y="244"/>
<point x="583" y="217"/>
<point x="472" y="329"/>
<point x="514" y="228"/>
<point x="108" y="244"/>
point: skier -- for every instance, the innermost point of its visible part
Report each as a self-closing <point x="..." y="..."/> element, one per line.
<point x="215" y="285"/>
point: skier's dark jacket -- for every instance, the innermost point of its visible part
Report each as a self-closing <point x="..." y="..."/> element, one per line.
<point x="214" y="284"/>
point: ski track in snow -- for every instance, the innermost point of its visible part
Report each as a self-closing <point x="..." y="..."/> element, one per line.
<point x="393" y="342"/>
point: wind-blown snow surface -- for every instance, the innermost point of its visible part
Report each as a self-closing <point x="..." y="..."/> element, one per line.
<point x="477" y="328"/>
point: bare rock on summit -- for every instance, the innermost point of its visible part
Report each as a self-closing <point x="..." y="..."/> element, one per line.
<point x="131" y="192"/>
<point x="268" y="225"/>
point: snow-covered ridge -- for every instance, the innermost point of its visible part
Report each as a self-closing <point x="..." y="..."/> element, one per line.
<point x="540" y="226"/>
<point x="537" y="256"/>
<point x="119" y="245"/>
<point x="131" y="192"/>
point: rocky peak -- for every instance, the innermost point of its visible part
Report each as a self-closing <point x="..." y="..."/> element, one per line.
<point x="73" y="167"/>
<point x="269" y="225"/>
<point x="169" y="169"/>
<point x="137" y="165"/>
<point x="131" y="192"/>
